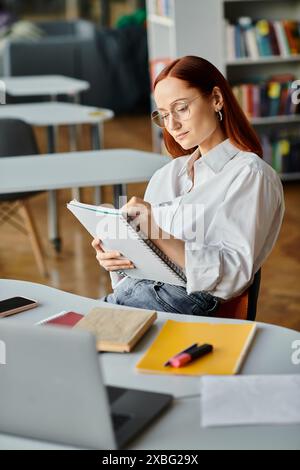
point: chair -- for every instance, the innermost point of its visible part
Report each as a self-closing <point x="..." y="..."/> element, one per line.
<point x="16" y="140"/>
<point x="244" y="306"/>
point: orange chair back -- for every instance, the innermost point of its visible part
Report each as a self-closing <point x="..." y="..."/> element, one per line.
<point x="235" y="308"/>
<point x="244" y="306"/>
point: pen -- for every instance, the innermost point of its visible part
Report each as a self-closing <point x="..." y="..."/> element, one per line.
<point x="189" y="349"/>
<point x="186" y="357"/>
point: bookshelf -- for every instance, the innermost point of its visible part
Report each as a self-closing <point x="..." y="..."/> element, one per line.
<point x="198" y="27"/>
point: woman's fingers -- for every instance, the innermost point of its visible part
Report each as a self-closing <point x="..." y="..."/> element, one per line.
<point x="115" y="264"/>
<point x="109" y="255"/>
<point x="110" y="260"/>
<point x="97" y="245"/>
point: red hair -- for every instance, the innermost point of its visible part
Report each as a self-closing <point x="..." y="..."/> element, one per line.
<point x="201" y="74"/>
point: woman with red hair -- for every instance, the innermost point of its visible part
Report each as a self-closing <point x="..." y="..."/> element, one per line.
<point x="216" y="187"/>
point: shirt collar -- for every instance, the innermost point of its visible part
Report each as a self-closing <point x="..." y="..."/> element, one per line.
<point x="189" y="162"/>
<point x="216" y="158"/>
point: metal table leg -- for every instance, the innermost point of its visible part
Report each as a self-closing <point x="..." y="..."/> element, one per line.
<point x="53" y="226"/>
<point x="97" y="140"/>
<point x="120" y="195"/>
<point x="73" y="148"/>
<point x="74" y="131"/>
<point x="119" y="190"/>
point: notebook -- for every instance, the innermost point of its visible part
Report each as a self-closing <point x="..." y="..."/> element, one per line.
<point x="117" y="330"/>
<point x="111" y="226"/>
<point x="68" y="319"/>
<point x="230" y="342"/>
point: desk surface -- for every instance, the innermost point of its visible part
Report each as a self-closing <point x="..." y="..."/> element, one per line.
<point x="77" y="169"/>
<point x="270" y="354"/>
<point x="42" y="85"/>
<point x="55" y="113"/>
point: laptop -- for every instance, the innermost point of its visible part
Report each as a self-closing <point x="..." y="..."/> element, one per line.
<point x="52" y="390"/>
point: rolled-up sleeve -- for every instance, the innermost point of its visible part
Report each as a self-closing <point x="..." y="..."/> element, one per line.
<point x="241" y="233"/>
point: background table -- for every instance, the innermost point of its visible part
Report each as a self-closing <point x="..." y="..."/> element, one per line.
<point x="53" y="114"/>
<point x="179" y="427"/>
<point x="45" y="85"/>
<point x="89" y="168"/>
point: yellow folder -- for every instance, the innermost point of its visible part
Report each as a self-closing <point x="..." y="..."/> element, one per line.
<point x="230" y="342"/>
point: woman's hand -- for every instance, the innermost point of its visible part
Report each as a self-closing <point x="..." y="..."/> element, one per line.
<point x="110" y="260"/>
<point x="140" y="216"/>
<point x="141" y="213"/>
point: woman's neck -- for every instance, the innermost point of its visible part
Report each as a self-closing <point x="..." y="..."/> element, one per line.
<point x="216" y="138"/>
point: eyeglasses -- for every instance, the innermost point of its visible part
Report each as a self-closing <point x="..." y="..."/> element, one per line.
<point x="180" y="111"/>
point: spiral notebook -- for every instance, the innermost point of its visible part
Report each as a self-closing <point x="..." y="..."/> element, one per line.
<point x="111" y="226"/>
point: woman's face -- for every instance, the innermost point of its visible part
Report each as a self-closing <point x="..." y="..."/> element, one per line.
<point x="189" y="128"/>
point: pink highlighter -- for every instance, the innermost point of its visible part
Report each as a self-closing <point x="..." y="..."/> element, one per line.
<point x="189" y="355"/>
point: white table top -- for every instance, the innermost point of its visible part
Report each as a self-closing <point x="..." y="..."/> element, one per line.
<point x="42" y="85"/>
<point x="179" y="427"/>
<point x="270" y="354"/>
<point x="77" y="169"/>
<point x="55" y="113"/>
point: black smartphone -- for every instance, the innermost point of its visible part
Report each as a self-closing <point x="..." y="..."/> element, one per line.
<point x="16" y="305"/>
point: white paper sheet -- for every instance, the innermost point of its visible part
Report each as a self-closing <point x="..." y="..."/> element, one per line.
<point x="246" y="400"/>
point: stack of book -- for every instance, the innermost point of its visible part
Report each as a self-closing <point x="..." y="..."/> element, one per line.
<point x="161" y="7"/>
<point x="272" y="97"/>
<point x="262" y="38"/>
<point x="282" y="151"/>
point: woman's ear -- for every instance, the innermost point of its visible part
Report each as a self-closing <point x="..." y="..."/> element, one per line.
<point x="217" y="98"/>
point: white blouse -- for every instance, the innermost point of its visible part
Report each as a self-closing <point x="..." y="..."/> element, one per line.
<point x="229" y="217"/>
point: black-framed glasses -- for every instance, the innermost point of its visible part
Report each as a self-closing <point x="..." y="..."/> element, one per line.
<point x="180" y="110"/>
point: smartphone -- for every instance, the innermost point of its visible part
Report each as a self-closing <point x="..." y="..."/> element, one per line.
<point x="16" y="305"/>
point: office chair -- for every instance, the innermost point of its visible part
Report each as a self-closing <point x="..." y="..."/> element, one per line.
<point x="244" y="306"/>
<point x="16" y="140"/>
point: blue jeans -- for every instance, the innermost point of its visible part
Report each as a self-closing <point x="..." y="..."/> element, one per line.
<point x="142" y="293"/>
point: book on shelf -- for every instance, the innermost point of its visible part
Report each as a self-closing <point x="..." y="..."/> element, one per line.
<point x="282" y="151"/>
<point x="161" y="7"/>
<point x="248" y="38"/>
<point x="247" y="30"/>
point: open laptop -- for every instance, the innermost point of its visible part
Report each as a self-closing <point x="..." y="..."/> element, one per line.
<point x="52" y="390"/>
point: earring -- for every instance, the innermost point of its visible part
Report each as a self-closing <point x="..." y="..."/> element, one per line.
<point x="220" y="115"/>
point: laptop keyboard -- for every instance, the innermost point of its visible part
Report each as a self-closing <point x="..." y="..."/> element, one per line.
<point x="119" y="420"/>
<point x="114" y="393"/>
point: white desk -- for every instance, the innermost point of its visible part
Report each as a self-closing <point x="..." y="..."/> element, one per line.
<point x="48" y="113"/>
<point x="51" y="115"/>
<point x="179" y="427"/>
<point x="44" y="85"/>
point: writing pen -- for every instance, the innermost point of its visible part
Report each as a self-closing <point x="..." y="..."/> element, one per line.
<point x="187" y="350"/>
<point x="186" y="357"/>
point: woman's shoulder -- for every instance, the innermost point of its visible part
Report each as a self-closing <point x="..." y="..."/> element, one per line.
<point x="258" y="165"/>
